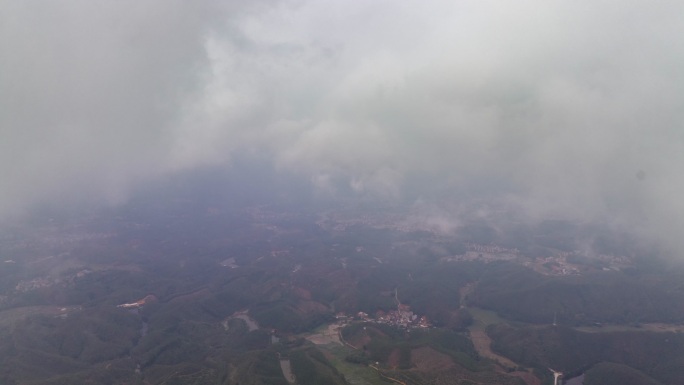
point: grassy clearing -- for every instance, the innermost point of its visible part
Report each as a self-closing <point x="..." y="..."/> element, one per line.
<point x="355" y="374"/>
<point x="483" y="318"/>
<point x="478" y="335"/>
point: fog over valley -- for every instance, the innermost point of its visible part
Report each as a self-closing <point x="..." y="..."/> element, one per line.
<point x="341" y="192"/>
<point x="562" y="109"/>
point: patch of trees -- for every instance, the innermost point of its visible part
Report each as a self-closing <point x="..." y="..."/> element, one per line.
<point x="613" y="297"/>
<point x="311" y="367"/>
<point x="608" y="373"/>
<point x="658" y="355"/>
<point x="391" y="344"/>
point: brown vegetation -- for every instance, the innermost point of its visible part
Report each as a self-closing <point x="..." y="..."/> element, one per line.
<point x="429" y="360"/>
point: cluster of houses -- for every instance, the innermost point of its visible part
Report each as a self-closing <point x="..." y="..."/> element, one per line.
<point x="403" y="318"/>
<point x="33" y="284"/>
<point x="493" y="249"/>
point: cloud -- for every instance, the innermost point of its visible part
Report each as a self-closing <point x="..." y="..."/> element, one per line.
<point x="555" y="106"/>
<point x="88" y="90"/>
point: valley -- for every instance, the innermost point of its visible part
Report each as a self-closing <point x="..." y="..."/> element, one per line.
<point x="271" y="296"/>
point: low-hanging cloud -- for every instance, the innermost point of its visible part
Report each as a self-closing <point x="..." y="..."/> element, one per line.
<point x="568" y="109"/>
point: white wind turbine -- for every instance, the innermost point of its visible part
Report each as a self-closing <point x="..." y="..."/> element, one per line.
<point x="556" y="376"/>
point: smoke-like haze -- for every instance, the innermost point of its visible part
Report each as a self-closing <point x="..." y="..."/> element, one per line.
<point x="561" y="108"/>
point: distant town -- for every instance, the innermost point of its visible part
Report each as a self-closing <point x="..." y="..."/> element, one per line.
<point x="562" y="263"/>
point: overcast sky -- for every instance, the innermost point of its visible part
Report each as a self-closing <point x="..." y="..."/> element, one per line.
<point x="563" y="108"/>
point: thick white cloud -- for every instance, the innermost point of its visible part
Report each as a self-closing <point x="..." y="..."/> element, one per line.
<point x="555" y="105"/>
<point x="88" y="91"/>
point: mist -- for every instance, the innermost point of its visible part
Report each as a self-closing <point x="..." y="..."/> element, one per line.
<point x="568" y="110"/>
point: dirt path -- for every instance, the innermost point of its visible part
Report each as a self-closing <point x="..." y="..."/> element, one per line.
<point x="481" y="320"/>
<point x="483" y="344"/>
<point x="287" y="371"/>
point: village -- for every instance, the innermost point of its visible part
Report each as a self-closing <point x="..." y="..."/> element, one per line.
<point x="402" y="318"/>
<point x="558" y="264"/>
